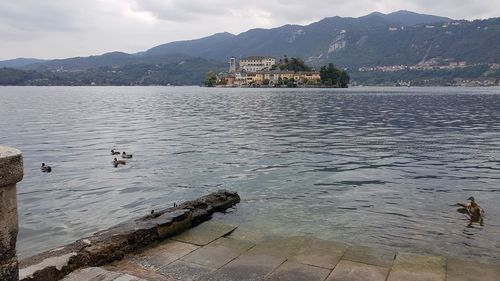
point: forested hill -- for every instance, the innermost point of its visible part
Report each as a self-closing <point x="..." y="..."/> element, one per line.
<point x="402" y="39"/>
<point x="189" y="71"/>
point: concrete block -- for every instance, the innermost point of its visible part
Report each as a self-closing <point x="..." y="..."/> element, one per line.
<point x="321" y="253"/>
<point x="218" y="253"/>
<point x="11" y="172"/>
<point x="205" y="233"/>
<point x="470" y="271"/>
<point x="55" y="262"/>
<point x="133" y="269"/>
<point x="280" y="247"/>
<point x="292" y="271"/>
<point x="162" y="254"/>
<point x="368" y="255"/>
<point x="185" y="271"/>
<point x="354" y="271"/>
<point x="11" y="166"/>
<point x="415" y="267"/>
<point x="8" y="223"/>
<point x="246" y="268"/>
<point x="251" y="235"/>
<point x="99" y="274"/>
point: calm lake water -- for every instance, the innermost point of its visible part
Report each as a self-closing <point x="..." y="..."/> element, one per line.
<point x="371" y="166"/>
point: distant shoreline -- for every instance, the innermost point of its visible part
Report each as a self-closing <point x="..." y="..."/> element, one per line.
<point x="262" y="87"/>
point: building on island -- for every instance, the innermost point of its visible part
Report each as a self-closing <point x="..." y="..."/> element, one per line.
<point x="257" y="63"/>
<point x="259" y="71"/>
<point x="273" y="78"/>
<point x="232" y="65"/>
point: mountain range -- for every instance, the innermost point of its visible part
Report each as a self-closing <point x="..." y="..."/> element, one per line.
<point x="315" y="42"/>
<point x="399" y="38"/>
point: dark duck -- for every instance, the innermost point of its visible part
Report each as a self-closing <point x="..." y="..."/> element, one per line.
<point x="45" y="169"/>
<point x="126" y="156"/>
<point x="117" y="162"/>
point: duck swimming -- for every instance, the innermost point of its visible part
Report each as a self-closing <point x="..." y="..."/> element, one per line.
<point x="117" y="162"/>
<point x="473" y="209"/>
<point x="126" y="156"/>
<point x="113" y="152"/>
<point x="45" y="168"/>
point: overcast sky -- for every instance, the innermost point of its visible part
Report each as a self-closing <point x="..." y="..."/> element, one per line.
<point x="66" y="28"/>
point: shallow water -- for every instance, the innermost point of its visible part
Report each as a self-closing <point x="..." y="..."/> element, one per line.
<point x="372" y="166"/>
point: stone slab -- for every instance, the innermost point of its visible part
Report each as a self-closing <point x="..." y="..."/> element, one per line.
<point x="205" y="233"/>
<point x="470" y="271"/>
<point x="137" y="270"/>
<point x="162" y="254"/>
<point x="246" y="268"/>
<point x="280" y="247"/>
<point x="249" y="234"/>
<point x="354" y="271"/>
<point x="415" y="267"/>
<point x="292" y="271"/>
<point x="185" y="271"/>
<point x="219" y="252"/>
<point x="368" y="255"/>
<point x="57" y="262"/>
<point x="320" y="253"/>
<point x="99" y="274"/>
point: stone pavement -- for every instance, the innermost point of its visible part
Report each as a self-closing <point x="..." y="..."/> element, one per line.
<point x="216" y="251"/>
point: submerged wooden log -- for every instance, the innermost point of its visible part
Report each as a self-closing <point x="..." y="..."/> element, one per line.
<point x="114" y="243"/>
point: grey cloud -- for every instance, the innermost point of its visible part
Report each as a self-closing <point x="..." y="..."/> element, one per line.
<point x="171" y="10"/>
<point x="298" y="11"/>
<point x="56" y="28"/>
<point x="279" y="11"/>
<point x="450" y="8"/>
<point x="38" y="16"/>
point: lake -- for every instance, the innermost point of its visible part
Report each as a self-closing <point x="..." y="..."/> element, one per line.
<point x="372" y="166"/>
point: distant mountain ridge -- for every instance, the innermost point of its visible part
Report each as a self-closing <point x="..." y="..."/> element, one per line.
<point x="294" y="40"/>
<point x="377" y="39"/>
<point x="408" y="18"/>
<point x="284" y="40"/>
<point x="113" y="59"/>
<point x="20" y="62"/>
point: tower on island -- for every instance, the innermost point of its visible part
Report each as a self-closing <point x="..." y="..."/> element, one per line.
<point x="232" y="65"/>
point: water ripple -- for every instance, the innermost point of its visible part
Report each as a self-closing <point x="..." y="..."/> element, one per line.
<point x="368" y="165"/>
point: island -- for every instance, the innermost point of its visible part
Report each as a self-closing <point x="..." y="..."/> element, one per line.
<point x="266" y="71"/>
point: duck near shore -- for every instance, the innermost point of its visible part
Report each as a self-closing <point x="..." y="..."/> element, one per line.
<point x="473" y="209"/>
<point x="126" y="156"/>
<point x="117" y="162"/>
<point x="45" y="169"/>
<point x="113" y="152"/>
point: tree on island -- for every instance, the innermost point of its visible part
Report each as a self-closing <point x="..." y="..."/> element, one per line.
<point x="210" y="79"/>
<point x="332" y="76"/>
<point x="344" y="79"/>
<point x="291" y="64"/>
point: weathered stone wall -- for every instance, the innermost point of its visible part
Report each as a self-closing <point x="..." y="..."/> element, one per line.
<point x="114" y="243"/>
<point x="11" y="172"/>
